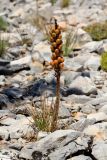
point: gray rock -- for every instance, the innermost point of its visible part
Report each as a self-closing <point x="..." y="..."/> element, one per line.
<point x="2" y="80"/>
<point x="81" y="157"/>
<point x="92" y="63"/>
<point x="92" y="46"/>
<point x="87" y="109"/>
<point x="8" y="121"/>
<point x="81" y="124"/>
<point x="48" y="143"/>
<point x="16" y="146"/>
<point x="100" y="116"/>
<point x="100" y="150"/>
<point x="4" y="133"/>
<point x="98" y="101"/>
<point x="84" y="84"/>
<point x="46" y="11"/>
<point x="81" y="99"/>
<point x="70" y="76"/>
<point x="9" y="154"/>
<point x="42" y="52"/>
<point x="71" y="65"/>
<point x="103" y="109"/>
<point x="64" y="112"/>
<point x="69" y="148"/>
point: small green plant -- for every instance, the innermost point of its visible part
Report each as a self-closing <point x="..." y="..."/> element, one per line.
<point x="69" y="42"/>
<point x="53" y="2"/>
<point x="65" y="3"/>
<point x="42" y="115"/>
<point x="98" y="31"/>
<point x="3" y="24"/>
<point x="104" y="61"/>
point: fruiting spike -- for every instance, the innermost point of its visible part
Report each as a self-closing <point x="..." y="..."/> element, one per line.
<point x="57" y="65"/>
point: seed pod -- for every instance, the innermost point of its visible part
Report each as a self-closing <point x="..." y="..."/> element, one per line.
<point x="54" y="44"/>
<point x="60" y="47"/>
<point x="60" y="36"/>
<point x="60" y="59"/>
<point x="61" y="65"/>
<point x="53" y="35"/>
<point x="57" y="51"/>
<point x="52" y="49"/>
<point x="51" y="39"/>
<point x="55" y="62"/>
<point x="58" y="41"/>
<point x="53" y="56"/>
<point x="57" y="31"/>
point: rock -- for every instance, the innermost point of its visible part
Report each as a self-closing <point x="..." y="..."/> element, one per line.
<point x="9" y="154"/>
<point x="81" y="157"/>
<point x="18" y="13"/>
<point x="93" y="46"/>
<point x="91" y="130"/>
<point x="36" y="67"/>
<point x="45" y="145"/>
<point x="69" y="148"/>
<point x="4" y="62"/>
<point x="87" y="109"/>
<point x="21" y="61"/>
<point x="64" y="112"/>
<point x="9" y="70"/>
<point x="16" y="146"/>
<point x="22" y="129"/>
<point x="2" y="80"/>
<point x="98" y="101"/>
<point x="69" y="76"/>
<point x="41" y="135"/>
<point x="4" y="157"/>
<point x="81" y="99"/>
<point x="46" y="11"/>
<point x="71" y="65"/>
<point x="99" y="150"/>
<point x="84" y="85"/>
<point x="8" y="121"/>
<point x="42" y="52"/>
<point x="93" y="63"/>
<point x="100" y="116"/>
<point x="13" y="93"/>
<point x="82" y="124"/>
<point x="103" y="109"/>
<point x="4" y="134"/>
<point x="4" y="101"/>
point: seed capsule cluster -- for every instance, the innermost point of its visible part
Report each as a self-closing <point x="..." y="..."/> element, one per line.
<point x="56" y="47"/>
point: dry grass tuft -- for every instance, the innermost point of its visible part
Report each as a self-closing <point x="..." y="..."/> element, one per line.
<point x="3" y="45"/>
<point x="69" y="42"/>
<point x="42" y="115"/>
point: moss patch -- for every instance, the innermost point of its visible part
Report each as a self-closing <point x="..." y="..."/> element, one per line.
<point x="65" y="3"/>
<point x="98" y="31"/>
<point x="3" y="24"/>
<point x="104" y="61"/>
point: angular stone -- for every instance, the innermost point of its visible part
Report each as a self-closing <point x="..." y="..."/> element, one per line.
<point x="47" y="144"/>
<point x="100" y="150"/>
<point x="84" y="84"/>
<point x="93" y="63"/>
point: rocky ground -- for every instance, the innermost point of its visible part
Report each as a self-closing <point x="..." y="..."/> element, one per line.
<point x="25" y="76"/>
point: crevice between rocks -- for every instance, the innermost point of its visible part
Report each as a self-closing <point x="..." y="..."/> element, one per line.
<point x="85" y="152"/>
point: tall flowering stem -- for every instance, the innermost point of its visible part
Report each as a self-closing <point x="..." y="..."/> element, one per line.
<point x="57" y="65"/>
